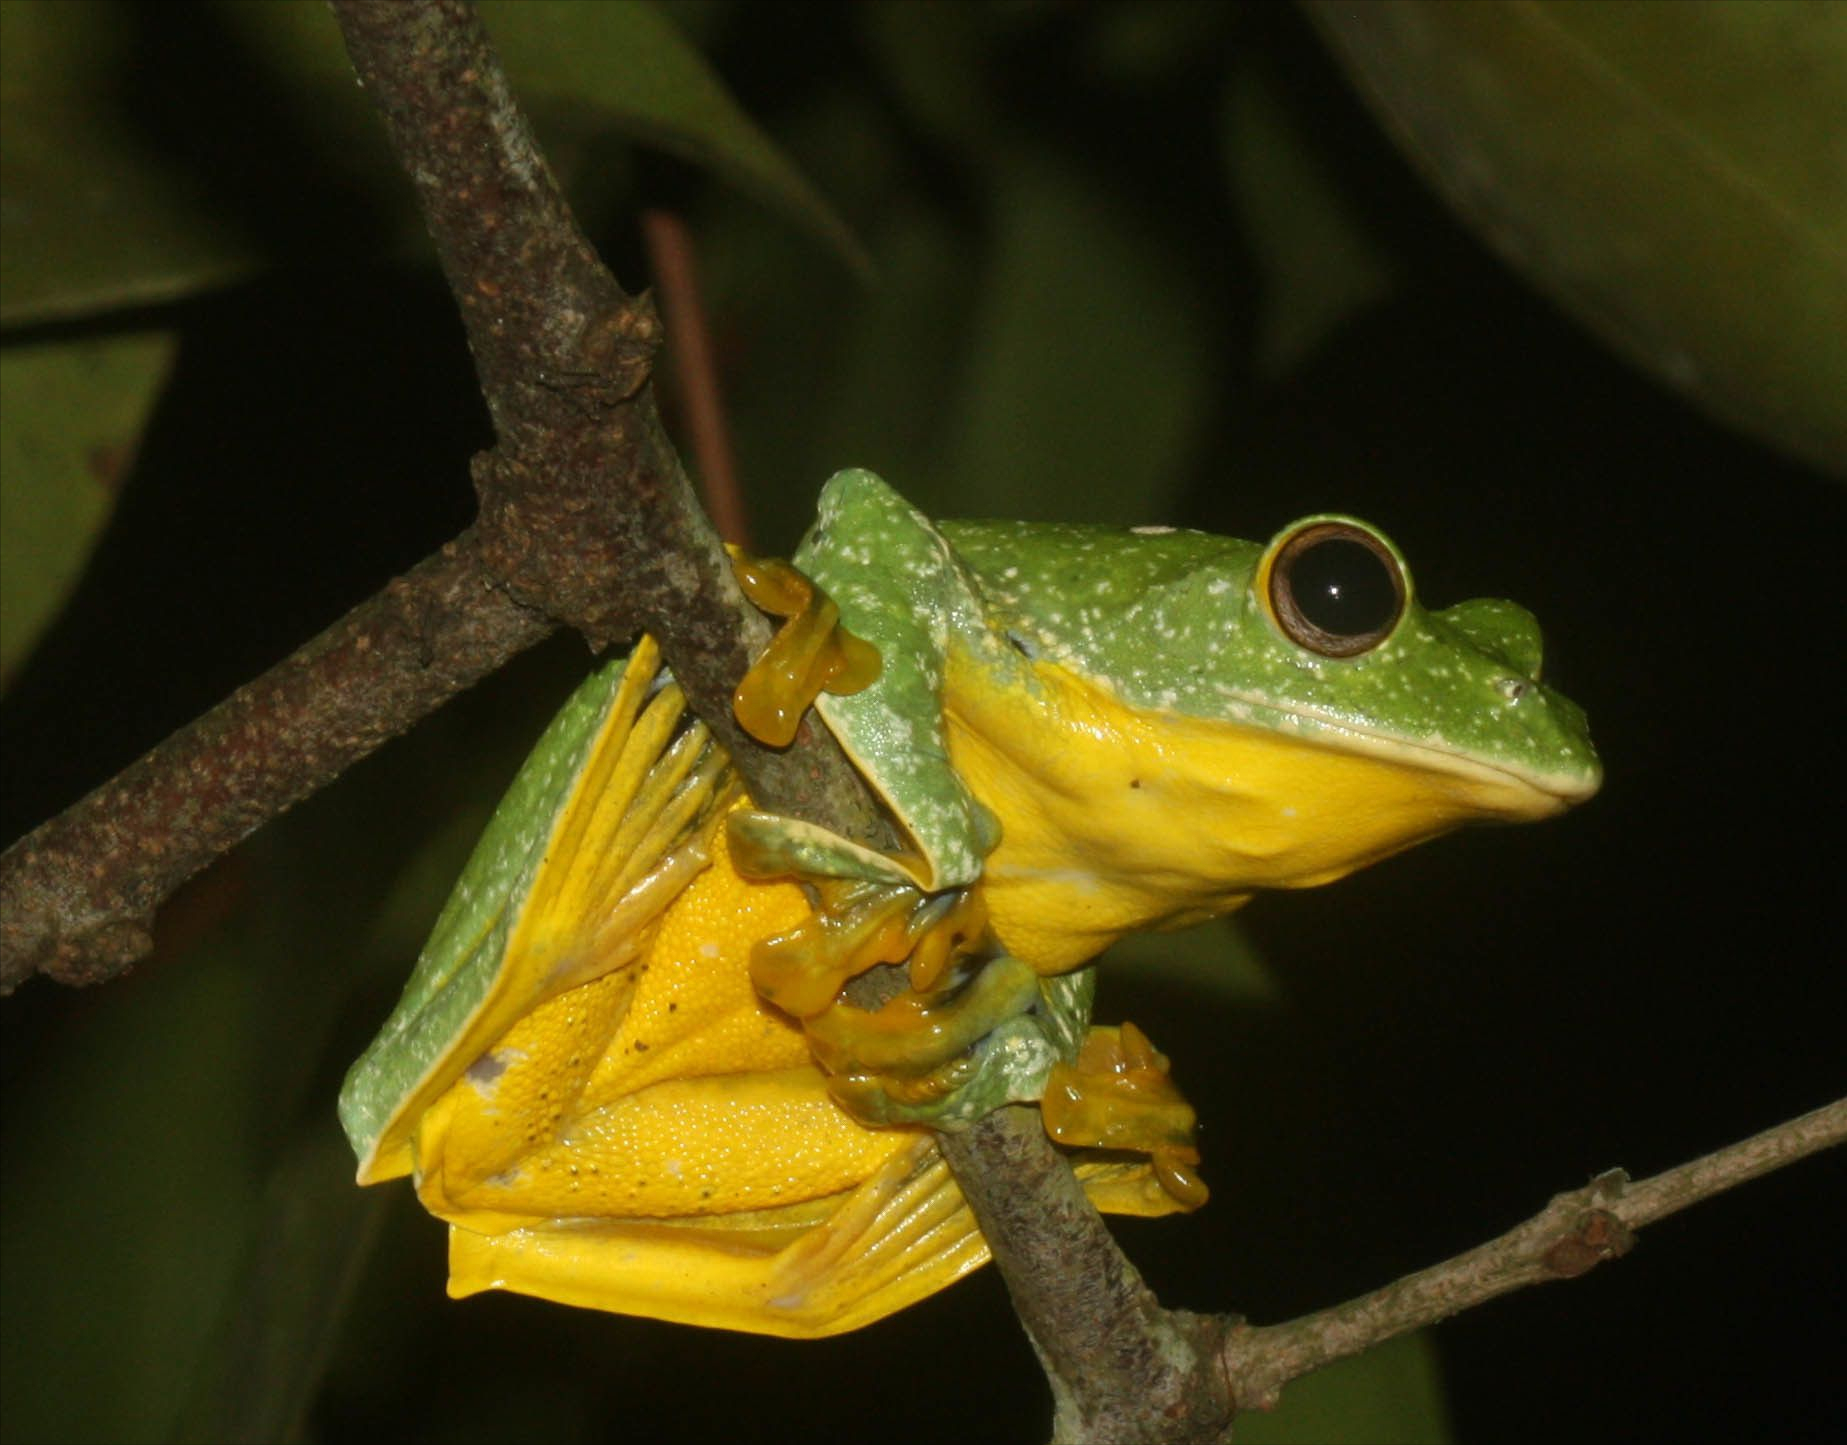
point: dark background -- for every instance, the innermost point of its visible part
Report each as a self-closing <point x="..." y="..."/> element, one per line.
<point x="1452" y="1036"/>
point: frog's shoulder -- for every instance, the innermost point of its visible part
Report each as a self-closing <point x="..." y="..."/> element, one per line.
<point x="900" y="585"/>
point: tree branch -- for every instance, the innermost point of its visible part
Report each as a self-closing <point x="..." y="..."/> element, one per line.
<point x="1123" y="1370"/>
<point x="1569" y="1237"/>
<point x="585" y="520"/>
<point x="78" y="894"/>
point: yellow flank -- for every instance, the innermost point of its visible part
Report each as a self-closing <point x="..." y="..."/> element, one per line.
<point x="662" y="1090"/>
<point x="1115" y="820"/>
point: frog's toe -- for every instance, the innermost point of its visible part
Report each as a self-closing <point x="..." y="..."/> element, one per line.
<point x="858" y="926"/>
<point x="944" y="929"/>
<point x="942" y="1060"/>
<point x="914" y="1034"/>
<point x="810" y="654"/>
<point x="1118" y="1095"/>
<point x="882" y="1099"/>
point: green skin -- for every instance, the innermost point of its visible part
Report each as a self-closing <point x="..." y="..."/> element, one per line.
<point x="1169" y="621"/>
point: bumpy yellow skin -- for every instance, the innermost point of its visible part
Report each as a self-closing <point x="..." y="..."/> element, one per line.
<point x="621" y="1097"/>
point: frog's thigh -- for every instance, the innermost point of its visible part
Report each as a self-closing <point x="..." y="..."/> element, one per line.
<point x="684" y="1148"/>
<point x="517" y="1097"/>
<point x="801" y="1271"/>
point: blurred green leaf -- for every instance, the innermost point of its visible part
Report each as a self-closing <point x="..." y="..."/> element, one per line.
<point x="1316" y="264"/>
<point x="1215" y="960"/>
<point x="934" y="59"/>
<point x="130" y="1198"/>
<point x="1391" y="1395"/>
<point x="75" y="411"/>
<point x="99" y="215"/>
<point x="1676" y="175"/>
<point x="1147" y="43"/>
<point x="1088" y="363"/>
<point x="282" y="1314"/>
<point x="582" y="69"/>
<point x="94" y="217"/>
<point x="630" y="65"/>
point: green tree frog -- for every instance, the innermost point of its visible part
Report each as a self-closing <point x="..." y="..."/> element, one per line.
<point x="627" y="1070"/>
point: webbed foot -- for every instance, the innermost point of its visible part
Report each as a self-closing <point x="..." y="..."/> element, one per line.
<point x="946" y="1049"/>
<point x="1118" y="1095"/>
<point x="810" y="654"/>
<point x="971" y="1031"/>
<point x="859" y="924"/>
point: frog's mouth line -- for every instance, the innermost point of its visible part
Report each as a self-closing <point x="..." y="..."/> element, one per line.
<point x="1559" y="790"/>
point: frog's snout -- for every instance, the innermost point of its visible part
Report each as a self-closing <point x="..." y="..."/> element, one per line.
<point x="1504" y="631"/>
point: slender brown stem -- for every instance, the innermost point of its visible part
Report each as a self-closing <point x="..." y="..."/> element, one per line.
<point x="695" y="369"/>
<point x="1571" y="1236"/>
<point x="1122" y="1368"/>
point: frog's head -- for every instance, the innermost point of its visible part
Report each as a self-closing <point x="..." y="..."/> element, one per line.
<point x="1334" y="644"/>
<point x="1195" y="717"/>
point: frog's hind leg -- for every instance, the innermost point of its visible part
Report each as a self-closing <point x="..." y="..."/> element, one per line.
<point x="1117" y="1095"/>
<point x="611" y="817"/>
<point x="802" y="1272"/>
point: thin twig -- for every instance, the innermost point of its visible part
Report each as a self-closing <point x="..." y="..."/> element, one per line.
<point x="672" y="259"/>
<point x="1571" y="1236"/>
<point x="1123" y="1370"/>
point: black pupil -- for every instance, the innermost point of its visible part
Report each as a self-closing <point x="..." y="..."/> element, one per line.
<point x="1344" y="588"/>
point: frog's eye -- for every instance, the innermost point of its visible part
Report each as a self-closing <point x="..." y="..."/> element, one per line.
<point x="1336" y="589"/>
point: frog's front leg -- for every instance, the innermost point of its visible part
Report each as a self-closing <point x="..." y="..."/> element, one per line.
<point x="975" y="1028"/>
<point x="965" y="1034"/>
<point x="810" y="653"/>
<point x="955" y="1042"/>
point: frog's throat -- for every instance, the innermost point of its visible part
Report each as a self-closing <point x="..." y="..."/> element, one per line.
<point x="1115" y="819"/>
<point x="1529" y="794"/>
